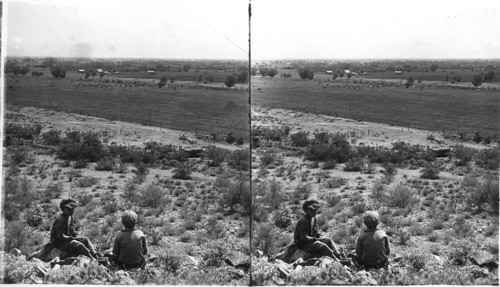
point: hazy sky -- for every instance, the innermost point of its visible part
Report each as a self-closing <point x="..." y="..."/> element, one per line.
<point x="280" y="29"/>
<point x="376" y="29"/>
<point x="143" y="29"/>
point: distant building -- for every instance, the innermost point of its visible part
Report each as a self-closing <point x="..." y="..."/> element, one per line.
<point x="151" y="72"/>
<point x="99" y="70"/>
<point x="81" y="71"/>
<point x="347" y="71"/>
<point x="398" y="72"/>
<point x="329" y="72"/>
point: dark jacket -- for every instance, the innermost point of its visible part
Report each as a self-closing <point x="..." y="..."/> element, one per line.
<point x="306" y="230"/>
<point x="63" y="230"/>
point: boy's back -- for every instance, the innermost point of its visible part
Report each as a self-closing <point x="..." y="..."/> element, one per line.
<point x="373" y="246"/>
<point x="129" y="246"/>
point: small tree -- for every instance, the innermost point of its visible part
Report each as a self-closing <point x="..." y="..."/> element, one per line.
<point x="272" y="72"/>
<point x="433" y="67"/>
<point x="310" y="75"/>
<point x="349" y="75"/>
<point x="263" y="71"/>
<point x="186" y="67"/>
<point x="303" y="73"/>
<point x="409" y="82"/>
<point x="58" y="72"/>
<point x="242" y="77"/>
<point x="24" y="70"/>
<point x="477" y="80"/>
<point x="230" y="81"/>
<point x="199" y="78"/>
<point x="162" y="82"/>
<point x="253" y="71"/>
<point x="487" y="78"/>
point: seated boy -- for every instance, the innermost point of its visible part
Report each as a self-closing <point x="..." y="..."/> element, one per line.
<point x="130" y="245"/>
<point x="372" y="247"/>
<point x="63" y="235"/>
<point x="307" y="237"/>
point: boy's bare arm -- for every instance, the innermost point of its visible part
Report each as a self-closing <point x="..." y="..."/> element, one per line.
<point x="387" y="246"/>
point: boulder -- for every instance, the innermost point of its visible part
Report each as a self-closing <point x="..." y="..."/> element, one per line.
<point x="364" y="278"/>
<point x="484" y="259"/>
<point x="238" y="260"/>
<point x="123" y="278"/>
<point x="258" y="254"/>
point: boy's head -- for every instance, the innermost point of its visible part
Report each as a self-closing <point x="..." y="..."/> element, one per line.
<point x="311" y="207"/>
<point x="68" y="206"/>
<point x="129" y="219"/>
<point x="371" y="219"/>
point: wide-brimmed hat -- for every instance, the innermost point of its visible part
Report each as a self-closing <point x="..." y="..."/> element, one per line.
<point x="311" y="204"/>
<point x="68" y="202"/>
<point x="371" y="219"/>
<point x="129" y="218"/>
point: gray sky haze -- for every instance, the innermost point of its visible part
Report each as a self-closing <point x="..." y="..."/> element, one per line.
<point x="216" y="29"/>
<point x="281" y="29"/>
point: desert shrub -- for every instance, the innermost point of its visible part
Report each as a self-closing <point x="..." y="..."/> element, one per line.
<point x="105" y="164"/>
<point x="152" y="196"/>
<point x="183" y="172"/>
<point x="18" y="195"/>
<point x="141" y="171"/>
<point x="16" y="235"/>
<point x="334" y="199"/>
<point x="483" y="194"/>
<point x="300" y="139"/>
<point x="284" y="218"/>
<point x="270" y="134"/>
<point x="354" y="164"/>
<point x="416" y="260"/>
<point x="463" y="154"/>
<point x="335" y="182"/>
<point x="83" y="198"/>
<point x="34" y="217"/>
<point x="18" y="155"/>
<point x="429" y="172"/>
<point x="51" y="137"/>
<point x="403" y="236"/>
<point x="80" y="163"/>
<point x="53" y="190"/>
<point x="337" y="149"/>
<point x="110" y="203"/>
<point x="234" y="194"/>
<point x="215" y="154"/>
<point x="86" y="181"/>
<point x="302" y="191"/>
<point x="25" y="132"/>
<point x="81" y="145"/>
<point x="378" y="190"/>
<point x="265" y="239"/>
<point x="268" y="157"/>
<point x="240" y="159"/>
<point x="215" y="229"/>
<point x="488" y="158"/>
<point x="401" y="196"/>
<point x="273" y="194"/>
<point x="459" y="252"/>
<point x="462" y="227"/>
<point x="214" y="252"/>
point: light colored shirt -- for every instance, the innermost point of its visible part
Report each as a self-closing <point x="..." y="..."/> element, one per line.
<point x="130" y="246"/>
<point x="373" y="247"/>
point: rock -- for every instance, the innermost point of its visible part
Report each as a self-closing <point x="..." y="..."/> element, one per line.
<point x="283" y="268"/>
<point x="298" y="254"/>
<point x="192" y="262"/>
<point x="123" y="278"/>
<point x="364" y="278"/>
<point x="82" y="261"/>
<point x="258" y="253"/>
<point x="16" y="252"/>
<point x="41" y="271"/>
<point x="235" y="273"/>
<point x="324" y="262"/>
<point x="56" y="253"/>
<point x="439" y="260"/>
<point x="484" y="259"/>
<point x="238" y="259"/>
<point x="397" y="258"/>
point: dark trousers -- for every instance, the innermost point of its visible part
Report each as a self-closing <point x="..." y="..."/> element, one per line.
<point x="80" y="246"/>
<point x="141" y="264"/>
<point x="320" y="247"/>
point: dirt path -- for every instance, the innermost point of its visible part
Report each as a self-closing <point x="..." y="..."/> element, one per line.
<point x="368" y="133"/>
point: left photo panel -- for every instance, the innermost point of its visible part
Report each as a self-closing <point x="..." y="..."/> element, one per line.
<point x="126" y="156"/>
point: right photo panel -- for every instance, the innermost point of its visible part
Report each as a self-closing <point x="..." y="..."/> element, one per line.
<point x="374" y="142"/>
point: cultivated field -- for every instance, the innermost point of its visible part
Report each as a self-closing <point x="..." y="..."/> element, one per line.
<point x="211" y="109"/>
<point x="428" y="105"/>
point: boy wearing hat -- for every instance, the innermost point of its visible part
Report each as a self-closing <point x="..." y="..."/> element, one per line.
<point x="63" y="235"/>
<point x="307" y="237"/>
<point x="130" y="245"/>
<point x="372" y="247"/>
